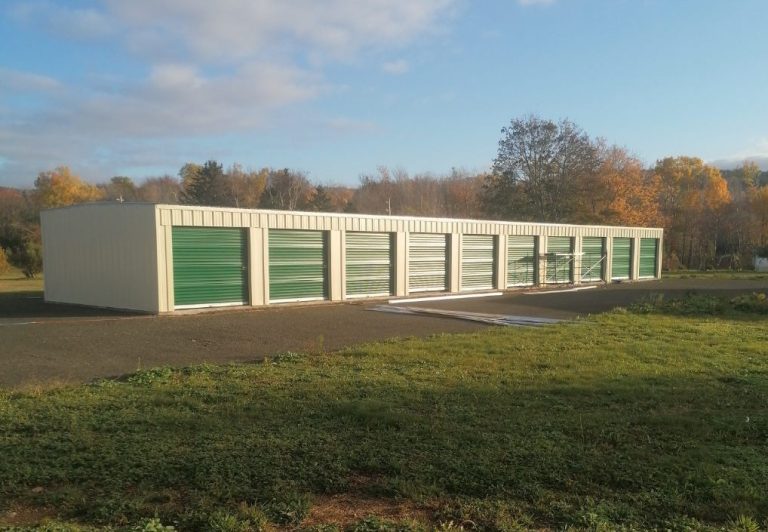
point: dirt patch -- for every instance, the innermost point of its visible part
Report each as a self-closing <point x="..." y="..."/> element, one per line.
<point x="347" y="509"/>
<point x="25" y="516"/>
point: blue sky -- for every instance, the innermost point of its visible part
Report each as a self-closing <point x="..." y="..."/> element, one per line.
<point x="339" y="87"/>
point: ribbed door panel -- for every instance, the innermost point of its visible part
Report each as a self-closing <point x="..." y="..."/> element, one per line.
<point x="521" y="260"/>
<point x="648" y="256"/>
<point x="622" y="258"/>
<point x="297" y="265"/>
<point x="559" y="259"/>
<point x="427" y="262"/>
<point x="368" y="264"/>
<point x="209" y="266"/>
<point x="478" y="262"/>
<point x="592" y="259"/>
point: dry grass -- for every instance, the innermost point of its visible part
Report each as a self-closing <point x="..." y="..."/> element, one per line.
<point x="14" y="281"/>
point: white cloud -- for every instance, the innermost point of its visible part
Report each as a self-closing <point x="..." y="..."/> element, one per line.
<point x="214" y="68"/>
<point x="756" y="151"/>
<point x="71" y="22"/>
<point x="14" y="80"/>
<point x="396" y="68"/>
<point x="232" y="30"/>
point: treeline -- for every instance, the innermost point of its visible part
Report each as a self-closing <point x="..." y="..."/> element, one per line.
<point x="544" y="171"/>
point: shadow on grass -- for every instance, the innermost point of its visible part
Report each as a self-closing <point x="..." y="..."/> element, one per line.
<point x="644" y="451"/>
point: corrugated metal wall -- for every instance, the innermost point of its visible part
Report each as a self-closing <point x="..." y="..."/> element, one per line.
<point x="224" y="217"/>
<point x="102" y="255"/>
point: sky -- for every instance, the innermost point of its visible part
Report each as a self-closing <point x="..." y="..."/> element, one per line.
<point x="336" y="88"/>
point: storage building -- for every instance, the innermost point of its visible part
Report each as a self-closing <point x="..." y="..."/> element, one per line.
<point x="161" y="258"/>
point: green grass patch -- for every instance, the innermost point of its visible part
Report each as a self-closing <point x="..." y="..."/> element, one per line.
<point x="697" y="304"/>
<point x="621" y="421"/>
<point x="716" y="274"/>
<point x="14" y="281"/>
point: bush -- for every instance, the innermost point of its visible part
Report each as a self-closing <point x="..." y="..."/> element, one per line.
<point x="28" y="258"/>
<point x="755" y="302"/>
<point x="691" y="305"/>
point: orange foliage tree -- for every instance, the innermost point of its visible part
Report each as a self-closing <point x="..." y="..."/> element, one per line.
<point x="758" y="209"/>
<point x="619" y="192"/>
<point x="59" y="187"/>
<point x="693" y="199"/>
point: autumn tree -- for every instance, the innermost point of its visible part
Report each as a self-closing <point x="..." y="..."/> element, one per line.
<point x="287" y="190"/>
<point x="462" y="194"/>
<point x="693" y="198"/>
<point x="380" y="193"/>
<point x="619" y="192"/>
<point x="340" y="197"/>
<point x="59" y="187"/>
<point x="758" y="210"/>
<point x="5" y="265"/>
<point x="120" y="188"/>
<point x="538" y="168"/>
<point x="165" y="189"/>
<point x="321" y="201"/>
<point x="737" y="238"/>
<point x="188" y="174"/>
<point x="245" y="188"/>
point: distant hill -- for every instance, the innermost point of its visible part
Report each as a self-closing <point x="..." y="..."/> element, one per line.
<point x="732" y="164"/>
<point x="729" y="174"/>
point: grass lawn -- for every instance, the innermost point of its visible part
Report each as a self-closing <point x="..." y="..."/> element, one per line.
<point x="622" y="421"/>
<point x="715" y="274"/>
<point x="14" y="281"/>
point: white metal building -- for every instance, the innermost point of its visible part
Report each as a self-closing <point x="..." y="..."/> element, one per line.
<point x="161" y="258"/>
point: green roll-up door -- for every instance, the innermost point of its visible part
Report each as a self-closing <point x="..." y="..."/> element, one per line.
<point x="368" y="264"/>
<point x="478" y="262"/>
<point x="298" y="267"/>
<point x="427" y="262"/>
<point x="521" y="260"/>
<point x="592" y="259"/>
<point x="559" y="259"/>
<point x="622" y="258"/>
<point x="649" y="249"/>
<point x="209" y="266"/>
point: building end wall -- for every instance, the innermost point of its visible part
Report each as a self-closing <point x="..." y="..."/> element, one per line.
<point x="101" y="255"/>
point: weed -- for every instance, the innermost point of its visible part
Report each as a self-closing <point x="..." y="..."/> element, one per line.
<point x="743" y="523"/>
<point x="154" y="525"/>
<point x="756" y="303"/>
<point x="151" y="376"/>
<point x="288" y="509"/>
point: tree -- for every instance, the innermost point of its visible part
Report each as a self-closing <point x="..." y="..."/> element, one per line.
<point x="120" y="188"/>
<point x="28" y="258"/>
<point x="17" y="213"/>
<point x="188" y="174"/>
<point x="321" y="201"/>
<point x="206" y="186"/>
<point x="5" y="265"/>
<point x="28" y="255"/>
<point x="246" y="188"/>
<point x="165" y="189"/>
<point x="538" y="168"/>
<point x="693" y="197"/>
<point x="758" y="209"/>
<point x="287" y="190"/>
<point x="462" y="192"/>
<point x="59" y="187"/>
<point x="620" y="192"/>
